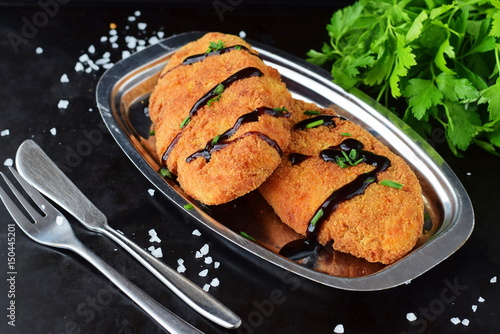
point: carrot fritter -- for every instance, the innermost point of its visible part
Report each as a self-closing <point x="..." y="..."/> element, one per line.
<point x="381" y="225"/>
<point x="194" y="104"/>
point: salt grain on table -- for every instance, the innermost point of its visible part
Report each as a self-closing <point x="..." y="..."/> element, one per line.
<point x="206" y="287"/>
<point x="339" y="329"/>
<point x="204" y="250"/>
<point x="203" y="273"/>
<point x="196" y="233"/>
<point x="215" y="282"/>
<point x="151" y="192"/>
<point x="39" y="50"/>
<point x="493" y="279"/>
<point x="64" y="78"/>
<point x="63" y="104"/>
<point x="474" y="308"/>
<point x="208" y="260"/>
<point x="465" y="322"/>
<point x="480" y="299"/>
<point x="411" y="316"/>
<point x="8" y="162"/>
<point x="156" y="252"/>
<point x="455" y="321"/>
<point x="53" y="131"/>
<point x="5" y="132"/>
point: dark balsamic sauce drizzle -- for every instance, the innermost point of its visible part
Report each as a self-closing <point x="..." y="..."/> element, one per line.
<point x="223" y="140"/>
<point x="202" y="56"/>
<point x="247" y="72"/>
<point x="309" y="246"/>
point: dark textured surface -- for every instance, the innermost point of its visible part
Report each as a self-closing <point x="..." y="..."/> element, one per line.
<point x="57" y="292"/>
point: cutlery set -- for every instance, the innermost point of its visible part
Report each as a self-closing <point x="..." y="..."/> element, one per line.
<point x="36" y="174"/>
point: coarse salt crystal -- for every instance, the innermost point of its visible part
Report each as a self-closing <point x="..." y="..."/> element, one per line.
<point x="156" y="252"/>
<point x="339" y="329"/>
<point x="114" y="46"/>
<point x="91" y="49"/>
<point x="480" y="299"/>
<point x="113" y="39"/>
<point x="64" y="78"/>
<point x="141" y="42"/>
<point x="151" y="192"/>
<point x="242" y="34"/>
<point x="106" y="55"/>
<point x="84" y="58"/>
<point x="206" y="287"/>
<point x="180" y="261"/>
<point x="208" y="260"/>
<point x="411" y="316"/>
<point x="79" y="67"/>
<point x="141" y="25"/>
<point x="474" y="308"/>
<point x="198" y="255"/>
<point x="160" y="34"/>
<point x="204" y="249"/>
<point x="493" y="279"/>
<point x="465" y="322"/>
<point x="102" y="61"/>
<point x="215" y="282"/>
<point x="155" y="238"/>
<point x="455" y="321"/>
<point x="8" y="162"/>
<point x="106" y="66"/>
<point x="181" y="269"/>
<point x="104" y="38"/>
<point x="216" y="264"/>
<point x="137" y="13"/>
<point x="63" y="104"/>
<point x="113" y="32"/>
<point x="203" y="273"/>
<point x="131" y="18"/>
<point x="5" y="132"/>
<point x="196" y="232"/>
<point x="125" y="54"/>
<point x="152" y="232"/>
<point x="153" y="40"/>
<point x="53" y="131"/>
<point x="39" y="50"/>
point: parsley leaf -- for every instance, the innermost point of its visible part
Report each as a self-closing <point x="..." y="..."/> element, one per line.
<point x="438" y="62"/>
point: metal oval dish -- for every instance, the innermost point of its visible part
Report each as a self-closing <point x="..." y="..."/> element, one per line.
<point x="123" y="88"/>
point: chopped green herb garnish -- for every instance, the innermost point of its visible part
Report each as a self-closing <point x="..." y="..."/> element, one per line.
<point x="188" y="206"/>
<point x="351" y="159"/>
<point x="237" y="47"/>
<point x="152" y="133"/>
<point x="317" y="217"/>
<point x="346" y="134"/>
<point x="315" y="124"/>
<point x="219" y="89"/>
<point x="166" y="173"/>
<point x="245" y="235"/>
<point x="214" y="46"/>
<point x="312" y="112"/>
<point x="185" y="122"/>
<point x="215" y="140"/>
<point x="391" y="184"/>
<point x="370" y="180"/>
<point x="280" y="109"/>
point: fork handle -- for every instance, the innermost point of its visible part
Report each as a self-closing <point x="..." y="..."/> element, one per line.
<point x="189" y="292"/>
<point x="168" y="320"/>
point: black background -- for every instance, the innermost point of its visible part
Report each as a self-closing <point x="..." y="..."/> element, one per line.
<point x="57" y="292"/>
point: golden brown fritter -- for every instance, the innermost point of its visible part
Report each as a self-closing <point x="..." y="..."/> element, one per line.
<point x="241" y="162"/>
<point x="380" y="225"/>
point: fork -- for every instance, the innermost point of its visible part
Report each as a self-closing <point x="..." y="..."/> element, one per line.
<point x="53" y="229"/>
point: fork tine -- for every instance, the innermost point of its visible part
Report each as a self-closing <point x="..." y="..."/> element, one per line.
<point x="35" y="195"/>
<point x="29" y="208"/>
<point x="14" y="211"/>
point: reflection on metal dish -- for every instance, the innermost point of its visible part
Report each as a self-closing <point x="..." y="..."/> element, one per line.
<point x="122" y="95"/>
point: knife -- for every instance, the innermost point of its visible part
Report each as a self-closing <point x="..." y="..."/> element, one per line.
<point x="39" y="170"/>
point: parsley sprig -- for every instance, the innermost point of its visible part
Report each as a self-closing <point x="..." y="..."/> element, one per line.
<point x="439" y="59"/>
<point x="215" y="46"/>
